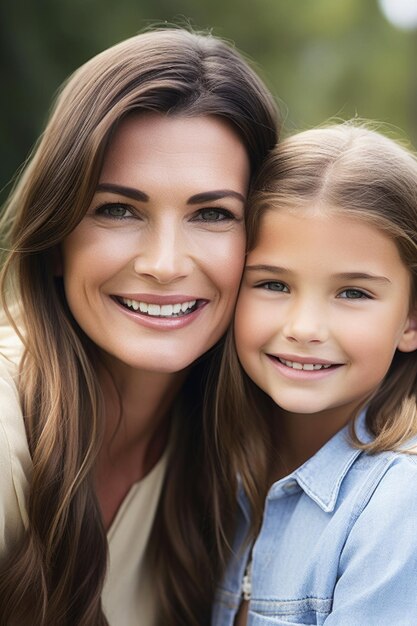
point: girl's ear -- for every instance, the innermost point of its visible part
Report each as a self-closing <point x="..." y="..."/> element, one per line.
<point x="408" y="341"/>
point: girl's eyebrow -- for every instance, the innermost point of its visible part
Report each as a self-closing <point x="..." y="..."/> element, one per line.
<point x="362" y="276"/>
<point x="275" y="269"/>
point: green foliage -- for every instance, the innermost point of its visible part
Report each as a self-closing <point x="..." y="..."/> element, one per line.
<point x="322" y="58"/>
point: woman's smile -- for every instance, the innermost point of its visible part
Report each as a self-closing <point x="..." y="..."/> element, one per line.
<point x="152" y="309"/>
<point x="151" y="273"/>
<point x="152" y="313"/>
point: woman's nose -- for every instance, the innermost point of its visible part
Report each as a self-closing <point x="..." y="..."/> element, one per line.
<point x="164" y="255"/>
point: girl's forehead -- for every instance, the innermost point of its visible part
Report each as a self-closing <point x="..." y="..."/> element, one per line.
<point x="314" y="235"/>
<point x="316" y="210"/>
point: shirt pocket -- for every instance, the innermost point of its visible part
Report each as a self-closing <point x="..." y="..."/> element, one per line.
<point x="305" y="612"/>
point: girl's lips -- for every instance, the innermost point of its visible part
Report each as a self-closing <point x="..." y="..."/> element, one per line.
<point x="305" y="369"/>
<point x="304" y="365"/>
<point x="292" y="358"/>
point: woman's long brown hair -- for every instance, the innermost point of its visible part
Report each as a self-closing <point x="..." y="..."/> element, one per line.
<point x="55" y="577"/>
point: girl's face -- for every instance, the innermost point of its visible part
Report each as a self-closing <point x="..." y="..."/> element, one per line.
<point x="152" y="271"/>
<point x="323" y="307"/>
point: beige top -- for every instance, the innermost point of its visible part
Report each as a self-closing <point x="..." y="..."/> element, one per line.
<point x="127" y="596"/>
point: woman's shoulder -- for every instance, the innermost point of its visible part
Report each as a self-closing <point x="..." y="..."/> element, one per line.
<point x="11" y="346"/>
<point x="15" y="460"/>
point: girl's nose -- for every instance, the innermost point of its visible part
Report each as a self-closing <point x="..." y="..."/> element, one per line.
<point x="164" y="255"/>
<point x="306" y="323"/>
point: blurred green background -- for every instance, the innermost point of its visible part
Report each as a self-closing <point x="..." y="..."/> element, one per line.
<point x="322" y="58"/>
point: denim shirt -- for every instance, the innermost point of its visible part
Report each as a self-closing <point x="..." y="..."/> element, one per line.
<point x="338" y="544"/>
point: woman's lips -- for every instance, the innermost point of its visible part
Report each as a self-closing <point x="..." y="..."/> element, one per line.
<point x="153" y="309"/>
<point x="161" y="312"/>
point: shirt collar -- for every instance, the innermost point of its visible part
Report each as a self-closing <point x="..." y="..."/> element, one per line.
<point x="321" y="476"/>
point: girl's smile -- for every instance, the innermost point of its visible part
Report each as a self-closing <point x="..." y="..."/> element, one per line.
<point x="323" y="308"/>
<point x="298" y="368"/>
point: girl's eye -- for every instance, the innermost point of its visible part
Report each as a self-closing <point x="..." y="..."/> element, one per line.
<point x="274" y="285"/>
<point x="114" y="210"/>
<point x="214" y="215"/>
<point x="353" y="294"/>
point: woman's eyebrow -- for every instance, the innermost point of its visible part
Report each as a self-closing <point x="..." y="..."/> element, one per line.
<point x="130" y="192"/>
<point x="218" y="194"/>
<point x="137" y="194"/>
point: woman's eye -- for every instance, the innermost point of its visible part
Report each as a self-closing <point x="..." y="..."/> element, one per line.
<point x="114" y="210"/>
<point x="353" y="294"/>
<point x="214" y="215"/>
<point x="273" y="285"/>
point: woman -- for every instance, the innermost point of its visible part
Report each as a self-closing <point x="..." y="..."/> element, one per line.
<point x="125" y="246"/>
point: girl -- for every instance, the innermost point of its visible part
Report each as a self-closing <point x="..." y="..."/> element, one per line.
<point x="117" y="235"/>
<point x="325" y="333"/>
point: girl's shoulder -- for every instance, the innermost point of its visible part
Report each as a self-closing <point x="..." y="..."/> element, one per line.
<point x="390" y="484"/>
<point x="386" y="463"/>
<point x="399" y="472"/>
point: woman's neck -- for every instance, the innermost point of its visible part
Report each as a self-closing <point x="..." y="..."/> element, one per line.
<point x="137" y="408"/>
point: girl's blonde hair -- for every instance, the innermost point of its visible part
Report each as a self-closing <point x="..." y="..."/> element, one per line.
<point x="56" y="577"/>
<point x="352" y="169"/>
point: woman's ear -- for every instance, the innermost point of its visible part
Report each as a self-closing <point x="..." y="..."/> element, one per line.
<point x="408" y="341"/>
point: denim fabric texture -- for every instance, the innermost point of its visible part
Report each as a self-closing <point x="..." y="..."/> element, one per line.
<point x="338" y="543"/>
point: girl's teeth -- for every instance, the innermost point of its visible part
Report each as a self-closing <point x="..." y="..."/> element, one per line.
<point x="156" y="310"/>
<point x="303" y="366"/>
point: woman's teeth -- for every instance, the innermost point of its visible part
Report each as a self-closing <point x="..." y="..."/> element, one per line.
<point x="157" y="310"/>
<point x="303" y="366"/>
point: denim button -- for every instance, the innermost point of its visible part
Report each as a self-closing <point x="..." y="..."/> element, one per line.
<point x="290" y="486"/>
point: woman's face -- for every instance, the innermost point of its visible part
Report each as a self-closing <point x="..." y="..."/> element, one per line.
<point x="152" y="271"/>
